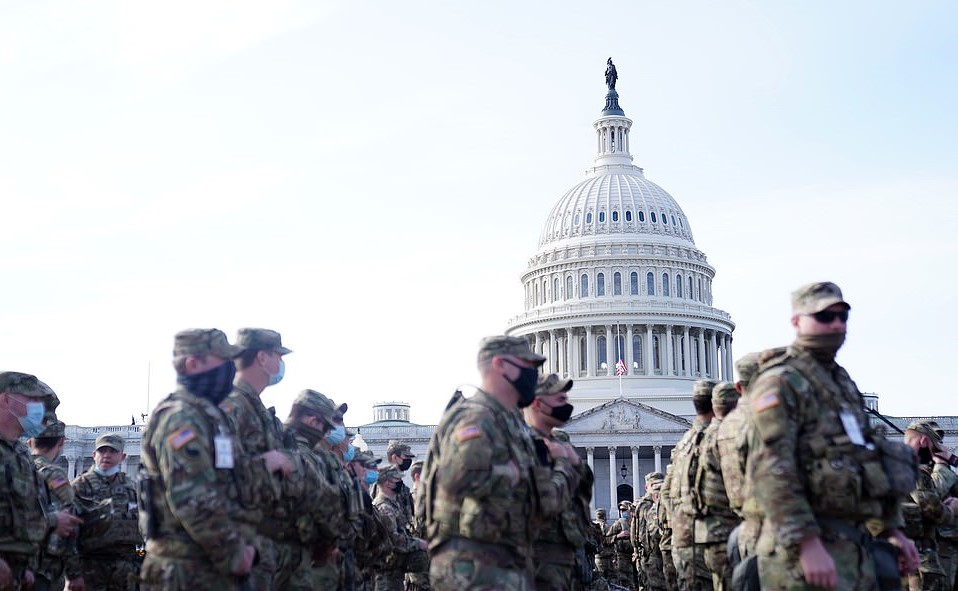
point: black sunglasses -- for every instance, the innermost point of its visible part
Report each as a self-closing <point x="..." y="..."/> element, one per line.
<point x="828" y="316"/>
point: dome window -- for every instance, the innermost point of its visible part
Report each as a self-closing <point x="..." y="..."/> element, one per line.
<point x="601" y="217"/>
<point x="650" y="283"/>
<point x="665" y="219"/>
<point x="568" y="287"/>
<point x="584" y="286"/>
<point x="665" y="284"/>
<point x="673" y="220"/>
<point x="588" y="218"/>
<point x="600" y="284"/>
<point x="690" y="286"/>
<point x="678" y="286"/>
<point x="602" y="354"/>
<point x="617" y="283"/>
<point x="634" y="283"/>
<point x="681" y="225"/>
<point x="641" y="216"/>
<point x="615" y="216"/>
<point x="652" y="216"/>
<point x="576" y="220"/>
<point x="628" y="215"/>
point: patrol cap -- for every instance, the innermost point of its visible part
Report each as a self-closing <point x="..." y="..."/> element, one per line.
<point x="724" y="393"/>
<point x="747" y="367"/>
<point x="653" y="476"/>
<point x="601" y="513"/>
<point x="54" y="428"/>
<point x="625" y="506"/>
<point x="389" y="471"/>
<point x="926" y="428"/>
<point x="941" y="432"/>
<point x="109" y="440"/>
<point x="815" y="297"/>
<point x="204" y="341"/>
<point x="260" y="339"/>
<point x="367" y="458"/>
<point x="489" y="347"/>
<point x="398" y="447"/>
<point x="316" y="402"/>
<point x="552" y="384"/>
<point x="25" y="384"/>
<point x="703" y="389"/>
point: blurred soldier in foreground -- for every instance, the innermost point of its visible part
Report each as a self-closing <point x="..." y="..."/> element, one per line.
<point x="485" y="493"/>
<point x="108" y="558"/>
<point x="816" y="467"/>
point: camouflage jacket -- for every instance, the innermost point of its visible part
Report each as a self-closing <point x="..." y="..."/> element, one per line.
<point x="24" y="516"/>
<point x="58" y="554"/>
<point x="947" y="482"/>
<point x="568" y="528"/>
<point x="732" y="442"/>
<point x="400" y="541"/>
<point x="712" y="501"/>
<point x="622" y="546"/>
<point x="123" y="531"/>
<point x="682" y="505"/>
<point x="483" y="481"/>
<point x="803" y="462"/>
<point x="311" y="501"/>
<point x="924" y="511"/>
<point x="256" y="426"/>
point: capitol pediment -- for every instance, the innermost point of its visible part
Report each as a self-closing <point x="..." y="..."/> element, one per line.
<point x="624" y="415"/>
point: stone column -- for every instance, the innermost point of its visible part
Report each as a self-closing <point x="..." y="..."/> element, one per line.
<point x="613" y="478"/>
<point x="636" y="481"/>
<point x="561" y="361"/>
<point x="658" y="457"/>
<point x="609" y="351"/>
<point x="729" y="362"/>
<point x="668" y="350"/>
<point x="570" y="365"/>
<point x="553" y="362"/>
<point x="538" y="348"/>
<point x="687" y="347"/>
<point x="649" y="364"/>
<point x="702" y="352"/>
<point x="590" y="460"/>
<point x="71" y="467"/>
<point x="589" y="352"/>
<point x="629" y="351"/>
<point x="713" y="352"/>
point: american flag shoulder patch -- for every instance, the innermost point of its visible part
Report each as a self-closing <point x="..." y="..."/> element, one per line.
<point x="468" y="432"/>
<point x="181" y="437"/>
<point x="58" y="482"/>
<point x="766" y="401"/>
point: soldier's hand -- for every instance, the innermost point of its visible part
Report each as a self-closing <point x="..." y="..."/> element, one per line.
<point x="817" y="564"/>
<point x="423" y="544"/>
<point x="952" y="504"/>
<point x="276" y="461"/>
<point x="6" y="575"/>
<point x="77" y="584"/>
<point x="66" y="522"/>
<point x="908" y="559"/>
<point x="245" y="563"/>
<point x="28" y="578"/>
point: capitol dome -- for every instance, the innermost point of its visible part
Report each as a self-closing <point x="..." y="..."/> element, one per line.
<point x="617" y="296"/>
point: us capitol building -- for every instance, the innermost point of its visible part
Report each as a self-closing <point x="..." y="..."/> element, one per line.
<point x="619" y="298"/>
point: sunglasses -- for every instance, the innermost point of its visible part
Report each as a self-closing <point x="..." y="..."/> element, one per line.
<point x="828" y="316"/>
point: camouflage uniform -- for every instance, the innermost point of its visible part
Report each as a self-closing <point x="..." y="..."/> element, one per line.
<point x="717" y="518"/>
<point x="663" y="510"/>
<point x="401" y="543"/>
<point x="606" y="553"/>
<point x="624" y="570"/>
<point x="24" y="516"/>
<point x="646" y="536"/>
<point x="191" y="488"/>
<point x="482" y="516"/>
<point x="418" y="581"/>
<point x="810" y="476"/>
<point x="58" y="557"/>
<point x="691" y="572"/>
<point x="947" y="483"/>
<point x="109" y="559"/>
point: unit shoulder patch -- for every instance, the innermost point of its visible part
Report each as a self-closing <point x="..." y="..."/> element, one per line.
<point x="181" y="437"/>
<point x="766" y="401"/>
<point x="468" y="432"/>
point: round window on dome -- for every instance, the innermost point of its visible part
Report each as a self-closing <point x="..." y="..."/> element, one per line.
<point x="628" y="215"/>
<point x="652" y="215"/>
<point x="601" y="217"/>
<point x="641" y="216"/>
<point x="588" y="218"/>
<point x="615" y="216"/>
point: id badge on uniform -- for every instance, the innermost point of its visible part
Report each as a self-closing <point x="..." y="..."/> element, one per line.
<point x="223" y="449"/>
<point x="852" y="429"/>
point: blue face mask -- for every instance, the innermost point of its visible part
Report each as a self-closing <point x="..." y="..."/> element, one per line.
<point x="336" y="436"/>
<point x="278" y="376"/>
<point x="108" y="472"/>
<point x="32" y="421"/>
<point x="371" y="477"/>
<point x="349" y="454"/>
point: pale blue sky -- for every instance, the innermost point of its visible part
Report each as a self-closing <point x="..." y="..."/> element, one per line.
<point x="371" y="178"/>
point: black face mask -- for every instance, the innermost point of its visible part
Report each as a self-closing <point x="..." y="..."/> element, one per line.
<point x="561" y="413"/>
<point x="525" y="384"/>
<point x="924" y="456"/>
<point x="405" y="464"/>
<point x="213" y="385"/>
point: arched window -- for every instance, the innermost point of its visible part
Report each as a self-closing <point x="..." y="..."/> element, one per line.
<point x="617" y="283"/>
<point x="555" y="289"/>
<point x="636" y="352"/>
<point x="652" y="214"/>
<point x="665" y="219"/>
<point x="568" y="287"/>
<point x="600" y="285"/>
<point x="700" y="290"/>
<point x="583" y="354"/>
<point x="650" y="283"/>
<point x="641" y="216"/>
<point x="690" y="288"/>
<point x="634" y="283"/>
<point x="681" y="225"/>
<point x="588" y="218"/>
<point x="656" y="365"/>
<point x="545" y="290"/>
<point x="678" y="286"/>
<point x="601" y="217"/>
<point x="576" y="219"/>
<point x="695" y="357"/>
<point x="628" y="215"/>
<point x="619" y="348"/>
<point x="665" y="284"/>
<point x="584" y="286"/>
<point x="615" y="216"/>
<point x="601" y="356"/>
<point x="537" y="293"/>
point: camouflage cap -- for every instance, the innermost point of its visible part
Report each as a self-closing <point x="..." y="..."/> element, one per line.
<point x="316" y="402"/>
<point x="260" y="339"/>
<point x="601" y="512"/>
<point x="927" y="428"/>
<point x="724" y="393"/>
<point x="204" y="341"/>
<point x="367" y="458"/>
<point x="941" y="432"/>
<point x="25" y="384"/>
<point x="109" y="440"/>
<point x="747" y="367"/>
<point x="489" y="347"/>
<point x="625" y="506"/>
<point x="398" y="447"/>
<point x="815" y="297"/>
<point x="389" y="471"/>
<point x="54" y="428"/>
<point x="653" y="476"/>
<point x="703" y="389"/>
<point x="552" y="384"/>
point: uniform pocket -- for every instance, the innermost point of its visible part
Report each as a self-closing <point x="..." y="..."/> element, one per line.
<point x="835" y="485"/>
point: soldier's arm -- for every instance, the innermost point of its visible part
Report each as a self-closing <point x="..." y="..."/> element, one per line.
<point x="470" y="465"/>
<point x="186" y="462"/>
<point x="929" y="502"/>
<point x="773" y="469"/>
<point x="399" y="538"/>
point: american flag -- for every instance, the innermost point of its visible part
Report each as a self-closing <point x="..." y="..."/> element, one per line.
<point x="620" y="368"/>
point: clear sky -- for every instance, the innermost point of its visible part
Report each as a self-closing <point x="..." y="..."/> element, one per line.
<point x="370" y="179"/>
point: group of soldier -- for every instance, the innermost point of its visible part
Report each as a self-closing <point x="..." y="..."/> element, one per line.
<point x="781" y="483"/>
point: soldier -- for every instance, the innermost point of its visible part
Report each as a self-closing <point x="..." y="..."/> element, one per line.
<point x="399" y="454"/>
<point x="24" y="520"/>
<point x="618" y="536"/>
<point x="717" y="518"/>
<point x="58" y="558"/>
<point x="560" y="546"/>
<point x="418" y="581"/>
<point x="809" y="449"/>
<point x="108" y="558"/>
<point x="401" y="542"/>
<point x="647" y="535"/>
<point x="689" y="560"/>
<point x="192" y="484"/>
<point x="606" y="553"/>
<point x="260" y="366"/>
<point x="926" y="508"/>
<point x="486" y="494"/>
<point x="947" y="482"/>
<point x="663" y="509"/>
<point x="639" y="510"/>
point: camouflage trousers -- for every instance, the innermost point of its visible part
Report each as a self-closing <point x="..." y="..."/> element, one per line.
<point x="931" y="575"/>
<point x="651" y="567"/>
<point x="161" y="573"/>
<point x="624" y="573"/>
<point x="691" y="572"/>
<point x="716" y="560"/>
<point x="281" y="566"/>
<point x="948" y="553"/>
<point x="550" y="576"/>
<point x="668" y="570"/>
<point x="854" y="567"/>
<point x="478" y="568"/>
<point x="603" y="564"/>
<point x="389" y="580"/>
<point x="110" y="573"/>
